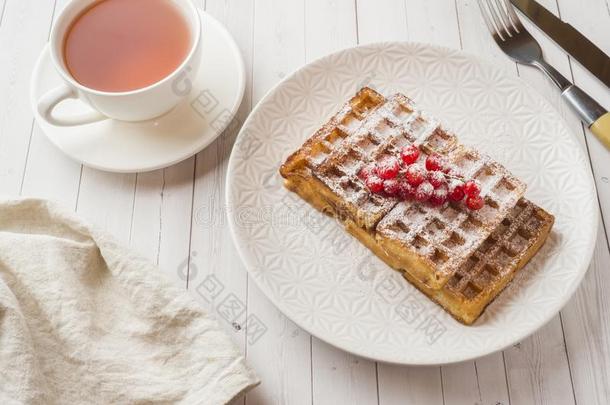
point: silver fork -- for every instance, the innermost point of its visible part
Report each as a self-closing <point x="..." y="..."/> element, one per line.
<point x="514" y="40"/>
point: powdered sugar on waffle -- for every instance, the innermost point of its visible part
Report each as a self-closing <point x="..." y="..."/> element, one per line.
<point x="368" y="129"/>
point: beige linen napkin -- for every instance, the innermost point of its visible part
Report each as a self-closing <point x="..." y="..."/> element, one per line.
<point x="83" y="320"/>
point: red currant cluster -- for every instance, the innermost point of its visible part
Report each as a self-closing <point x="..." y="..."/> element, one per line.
<point x="406" y="178"/>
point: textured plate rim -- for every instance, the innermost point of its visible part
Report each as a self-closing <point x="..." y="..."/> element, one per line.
<point x="582" y="270"/>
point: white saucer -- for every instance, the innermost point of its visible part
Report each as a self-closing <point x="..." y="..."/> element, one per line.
<point x="135" y="147"/>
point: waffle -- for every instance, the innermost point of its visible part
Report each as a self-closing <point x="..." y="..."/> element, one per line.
<point x="430" y="244"/>
<point x="489" y="270"/>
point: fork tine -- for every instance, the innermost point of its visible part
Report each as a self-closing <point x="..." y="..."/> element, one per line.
<point x="494" y="16"/>
<point x="504" y="18"/>
<point x="490" y="25"/>
<point x="513" y="17"/>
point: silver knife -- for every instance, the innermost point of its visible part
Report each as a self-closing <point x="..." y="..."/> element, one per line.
<point x="568" y="38"/>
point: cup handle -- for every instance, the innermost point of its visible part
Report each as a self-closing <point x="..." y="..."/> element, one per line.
<point x="52" y="98"/>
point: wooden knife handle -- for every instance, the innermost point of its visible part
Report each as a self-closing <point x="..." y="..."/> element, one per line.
<point x="601" y="129"/>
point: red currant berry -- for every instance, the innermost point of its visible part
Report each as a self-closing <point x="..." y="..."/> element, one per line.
<point x="474" y="202"/>
<point x="424" y="192"/>
<point x="456" y="191"/>
<point x="388" y="168"/>
<point x="437" y="179"/>
<point x="366" y="171"/>
<point x="391" y="187"/>
<point x="434" y="162"/>
<point x="415" y="175"/>
<point x="409" y="154"/>
<point x="439" y="196"/>
<point x="374" y="183"/>
<point x="406" y="191"/>
<point x="472" y="188"/>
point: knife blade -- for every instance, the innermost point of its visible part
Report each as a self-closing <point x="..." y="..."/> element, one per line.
<point x="568" y="38"/>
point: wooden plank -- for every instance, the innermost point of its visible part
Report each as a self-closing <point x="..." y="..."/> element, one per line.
<point x="338" y="377"/>
<point x="175" y="219"/>
<point x="282" y="356"/>
<point x="341" y="378"/>
<point x="460" y="385"/>
<point x="586" y="324"/>
<point x="537" y="368"/>
<point x="433" y="22"/>
<point x="491" y="378"/>
<point x="212" y="254"/>
<point x="586" y="319"/>
<point x="48" y="172"/>
<point x="2" y="8"/>
<point x="23" y="33"/>
<point x="106" y="199"/>
<point x="475" y="38"/>
<point x="161" y="223"/>
<point x="330" y="26"/>
<point x="381" y="20"/>
<point x="146" y="221"/>
<point x="409" y="385"/>
<point x="593" y="22"/>
<point x="476" y="382"/>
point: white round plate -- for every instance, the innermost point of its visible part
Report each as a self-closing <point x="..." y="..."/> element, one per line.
<point x="118" y="146"/>
<point x="331" y="285"/>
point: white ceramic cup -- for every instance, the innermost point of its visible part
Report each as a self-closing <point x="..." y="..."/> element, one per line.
<point x="136" y="105"/>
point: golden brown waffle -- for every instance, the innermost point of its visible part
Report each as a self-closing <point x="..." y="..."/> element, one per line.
<point x="488" y="271"/>
<point x="511" y="245"/>
<point x="430" y="243"/>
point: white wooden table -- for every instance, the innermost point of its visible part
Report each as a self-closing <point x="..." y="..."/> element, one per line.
<point x="176" y="216"/>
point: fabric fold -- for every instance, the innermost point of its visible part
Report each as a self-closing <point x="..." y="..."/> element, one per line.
<point x="85" y="320"/>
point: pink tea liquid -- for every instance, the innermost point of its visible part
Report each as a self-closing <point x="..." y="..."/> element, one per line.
<point x="124" y="45"/>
